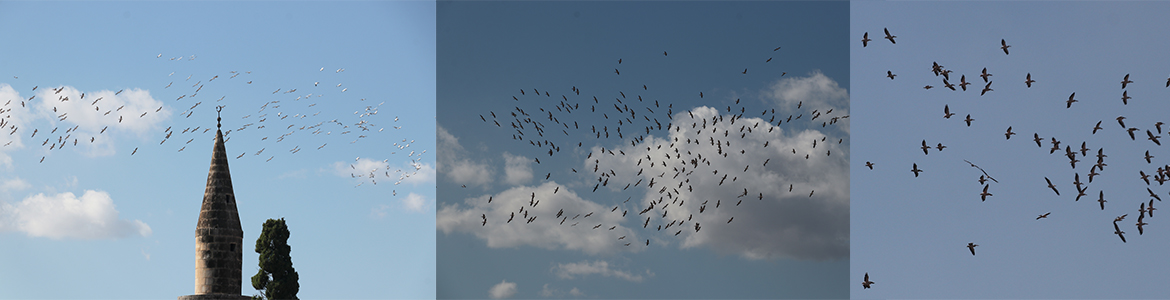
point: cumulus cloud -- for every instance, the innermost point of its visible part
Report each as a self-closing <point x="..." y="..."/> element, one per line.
<point x="502" y="290"/>
<point x="599" y="267"/>
<point x="15" y="184"/>
<point x="458" y="169"/>
<point x="414" y="203"/>
<point x="517" y="169"/>
<point x="132" y="110"/>
<point x="809" y="222"/>
<point x="422" y="174"/>
<point x="92" y="216"/>
<point x="583" y="226"/>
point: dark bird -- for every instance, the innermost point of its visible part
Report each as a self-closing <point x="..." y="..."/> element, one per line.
<point x="1029" y="80"/>
<point x="1102" y="200"/>
<point x="1125" y="81"/>
<point x="890" y="37"/>
<point x="1140" y="224"/>
<point x="1153" y="138"/>
<point x="984" y="194"/>
<point x="1118" y="232"/>
<point x="891" y="75"/>
<point x="947" y="112"/>
<point x="968" y="120"/>
<point x="963" y="82"/>
<point x="1004" y="46"/>
<point x="971" y="246"/>
<point x="1070" y="100"/>
<point x="869" y="164"/>
<point x="1120" y="120"/>
<point x="1098" y="127"/>
<point x="1045" y="215"/>
<point x="925" y="147"/>
<point x="1125" y="97"/>
<point x="1155" y="196"/>
<point x="1051" y="186"/>
<point x="985" y="75"/>
<point x="915" y="170"/>
<point x="1009" y="133"/>
<point x="865" y="284"/>
<point x="1037" y="139"/>
<point x="865" y="42"/>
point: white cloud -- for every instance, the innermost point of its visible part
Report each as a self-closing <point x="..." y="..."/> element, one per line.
<point x="816" y="92"/>
<point x="423" y="174"/>
<point x="599" y="267"/>
<point x="575" y="232"/>
<point x="460" y="170"/>
<point x="14" y="185"/>
<point x="15" y="115"/>
<point x="379" y="211"/>
<point x="517" y="169"/>
<point x="92" y="216"/>
<point x="784" y="223"/>
<point x="133" y="111"/>
<point x="502" y="290"/>
<point x="414" y="202"/>
<point x="576" y="293"/>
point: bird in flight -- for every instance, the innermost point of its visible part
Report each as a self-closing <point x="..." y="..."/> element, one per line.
<point x="1070" y="100"/>
<point x="1004" y="46"/>
<point x="1009" y="133"/>
<point x="915" y="170"/>
<point x="1118" y="232"/>
<point x="890" y="37"/>
<point x="1051" y="186"/>
<point x="866" y="283"/>
<point x="1045" y="215"/>
<point x="1125" y="81"/>
<point x="971" y="246"/>
<point x="891" y="75"/>
<point x="984" y="194"/>
<point x="1029" y="80"/>
<point x="865" y="42"/>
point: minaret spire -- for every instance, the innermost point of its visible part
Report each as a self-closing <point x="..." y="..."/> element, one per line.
<point x="218" y="235"/>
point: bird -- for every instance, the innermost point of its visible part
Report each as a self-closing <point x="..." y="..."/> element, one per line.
<point x="1005" y="46"/>
<point x="1125" y="97"/>
<point x="869" y="164"/>
<point x="1140" y="224"/>
<point x="1045" y="215"/>
<point x="1009" y="133"/>
<point x="1120" y="120"/>
<point x="915" y="170"/>
<point x="985" y="75"/>
<point x="1153" y="138"/>
<point x="1125" y="81"/>
<point x="890" y="37"/>
<point x="925" y="147"/>
<point x="1051" y="186"/>
<point x="1029" y="80"/>
<point x="963" y="82"/>
<point x="1101" y="200"/>
<point x="1118" y="232"/>
<point x="865" y="42"/>
<point x="866" y="283"/>
<point x="971" y="246"/>
<point x="1070" y="100"/>
<point x="984" y="194"/>
<point x="968" y="120"/>
<point x="1037" y="139"/>
<point x="1098" y="127"/>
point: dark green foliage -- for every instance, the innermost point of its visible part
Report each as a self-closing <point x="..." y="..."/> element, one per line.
<point x="276" y="277"/>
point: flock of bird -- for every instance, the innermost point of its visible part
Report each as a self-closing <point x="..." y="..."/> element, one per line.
<point x="579" y="124"/>
<point x="1153" y="133"/>
<point x="287" y="114"/>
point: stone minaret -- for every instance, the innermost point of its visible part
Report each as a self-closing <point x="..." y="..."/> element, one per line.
<point x="218" y="237"/>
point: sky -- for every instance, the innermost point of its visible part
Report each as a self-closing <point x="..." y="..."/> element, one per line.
<point x="686" y="61"/>
<point x="910" y="234"/>
<point x="328" y="113"/>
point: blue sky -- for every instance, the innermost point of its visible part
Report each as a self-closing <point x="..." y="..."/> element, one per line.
<point x="115" y="217"/>
<point x="785" y="245"/>
<point x="910" y="234"/>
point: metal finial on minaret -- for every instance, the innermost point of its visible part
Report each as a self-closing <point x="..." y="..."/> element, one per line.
<point x="217" y="117"/>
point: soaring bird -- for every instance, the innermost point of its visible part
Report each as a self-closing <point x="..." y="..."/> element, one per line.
<point x="986" y="88"/>
<point x="1118" y="232"/>
<point x="866" y="283"/>
<point x="984" y="194"/>
<point x="1004" y="46"/>
<point x="1098" y="127"/>
<point x="915" y="170"/>
<point x="890" y="37"/>
<point x="890" y="74"/>
<point x="865" y="42"/>
<point x="1070" y="100"/>
<point x="963" y="82"/>
<point x="869" y="164"/>
<point x="985" y="75"/>
<point x="1045" y="215"/>
<point x="1125" y="81"/>
<point x="1009" y="133"/>
<point x="1101" y="200"/>
<point x="968" y="120"/>
<point x="1125" y="97"/>
<point x="971" y="246"/>
<point x="1154" y="138"/>
<point x="1037" y="139"/>
<point x="1051" y="186"/>
<point x="1029" y="80"/>
<point x="925" y="147"/>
